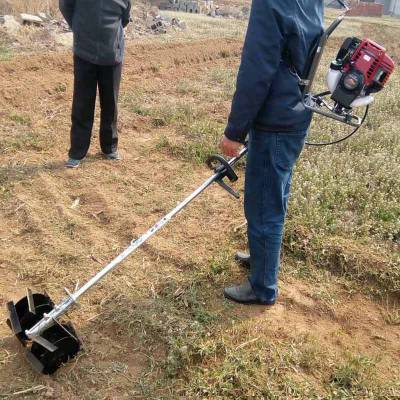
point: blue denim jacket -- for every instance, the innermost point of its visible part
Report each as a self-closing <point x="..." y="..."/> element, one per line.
<point x="98" y="28"/>
<point x="268" y="95"/>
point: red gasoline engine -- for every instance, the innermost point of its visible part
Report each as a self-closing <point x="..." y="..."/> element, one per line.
<point x="360" y="69"/>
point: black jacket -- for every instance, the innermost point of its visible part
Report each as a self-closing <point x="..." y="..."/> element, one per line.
<point x="98" y="28"/>
<point x="268" y="95"/>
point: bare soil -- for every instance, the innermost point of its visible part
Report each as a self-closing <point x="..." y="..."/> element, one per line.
<point x="58" y="227"/>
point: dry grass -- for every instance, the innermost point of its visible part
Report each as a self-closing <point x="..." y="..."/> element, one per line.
<point x="29" y="6"/>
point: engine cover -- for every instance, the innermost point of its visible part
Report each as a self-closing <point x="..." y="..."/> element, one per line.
<point x="364" y="69"/>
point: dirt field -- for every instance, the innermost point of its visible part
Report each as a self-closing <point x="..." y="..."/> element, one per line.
<point x="159" y="328"/>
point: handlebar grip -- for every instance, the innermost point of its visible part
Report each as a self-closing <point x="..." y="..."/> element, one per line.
<point x="222" y="167"/>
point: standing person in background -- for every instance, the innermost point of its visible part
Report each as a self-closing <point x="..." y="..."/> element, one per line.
<point x="98" y="31"/>
<point x="268" y="105"/>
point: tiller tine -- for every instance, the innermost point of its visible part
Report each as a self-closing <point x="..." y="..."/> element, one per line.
<point x="56" y="345"/>
<point x="27" y="312"/>
<point x="62" y="339"/>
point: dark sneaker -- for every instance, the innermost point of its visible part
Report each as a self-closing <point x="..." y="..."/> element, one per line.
<point x="114" y="156"/>
<point x="243" y="259"/>
<point x="72" y="163"/>
<point x="244" y="294"/>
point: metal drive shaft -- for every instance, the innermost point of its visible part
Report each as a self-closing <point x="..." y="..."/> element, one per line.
<point x="60" y="309"/>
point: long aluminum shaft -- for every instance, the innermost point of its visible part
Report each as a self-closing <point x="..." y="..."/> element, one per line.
<point x="137" y="243"/>
<point x="60" y="309"/>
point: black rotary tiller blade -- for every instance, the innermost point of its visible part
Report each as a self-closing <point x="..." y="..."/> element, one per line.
<point x="25" y="314"/>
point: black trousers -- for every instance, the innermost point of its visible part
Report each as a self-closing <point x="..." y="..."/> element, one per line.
<point x="87" y="77"/>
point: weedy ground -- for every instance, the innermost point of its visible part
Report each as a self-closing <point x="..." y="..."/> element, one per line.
<point x="30" y="6"/>
<point x="158" y="327"/>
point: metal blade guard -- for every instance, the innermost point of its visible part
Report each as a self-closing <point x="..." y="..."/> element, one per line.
<point x="34" y="319"/>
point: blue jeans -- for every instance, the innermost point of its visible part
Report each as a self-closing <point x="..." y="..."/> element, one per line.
<point x="270" y="162"/>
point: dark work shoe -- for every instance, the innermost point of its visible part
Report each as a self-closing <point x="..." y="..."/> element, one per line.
<point x="114" y="156"/>
<point x="243" y="259"/>
<point x="72" y="163"/>
<point x="244" y="294"/>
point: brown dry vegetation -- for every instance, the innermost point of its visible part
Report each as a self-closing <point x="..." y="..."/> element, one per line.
<point x="31" y="6"/>
<point x="159" y="328"/>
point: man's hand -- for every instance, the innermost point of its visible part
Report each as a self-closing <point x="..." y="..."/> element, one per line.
<point x="229" y="147"/>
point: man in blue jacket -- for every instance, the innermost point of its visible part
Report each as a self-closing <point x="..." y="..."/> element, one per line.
<point x="268" y="106"/>
<point x="97" y="26"/>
